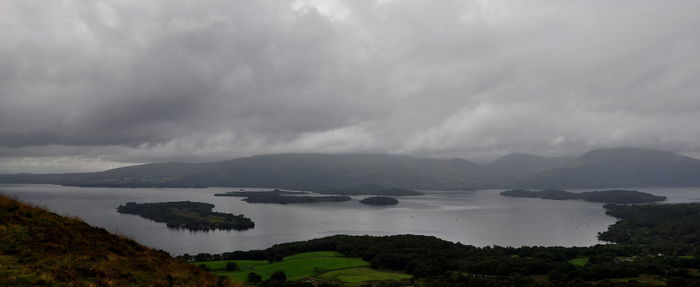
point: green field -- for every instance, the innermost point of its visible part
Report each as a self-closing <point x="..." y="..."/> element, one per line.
<point x="581" y="261"/>
<point x="324" y="265"/>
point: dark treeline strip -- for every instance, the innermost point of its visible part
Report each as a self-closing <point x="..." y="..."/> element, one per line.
<point x="283" y="199"/>
<point x="187" y="215"/>
<point x="259" y="193"/>
<point x="368" y="189"/>
<point x="605" y="196"/>
<point x="380" y="200"/>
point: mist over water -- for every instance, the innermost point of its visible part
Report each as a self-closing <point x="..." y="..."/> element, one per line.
<point x="479" y="218"/>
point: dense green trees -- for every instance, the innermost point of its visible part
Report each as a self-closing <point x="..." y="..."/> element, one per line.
<point x="254" y="278"/>
<point x="657" y="241"/>
<point x="368" y="189"/>
<point x="380" y="200"/>
<point x="231" y="266"/>
<point x="285" y="199"/>
<point x="608" y="196"/>
<point x="278" y="276"/>
<point x="188" y="215"/>
<point x="282" y="197"/>
<point x="672" y="225"/>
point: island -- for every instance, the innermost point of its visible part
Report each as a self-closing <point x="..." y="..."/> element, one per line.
<point x="275" y="192"/>
<point x="279" y="196"/>
<point x="380" y="201"/>
<point x="286" y="199"/>
<point x="188" y="215"/>
<point x="368" y="189"/>
<point x="604" y="196"/>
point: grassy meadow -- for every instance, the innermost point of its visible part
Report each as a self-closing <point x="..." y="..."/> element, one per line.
<point x="320" y="265"/>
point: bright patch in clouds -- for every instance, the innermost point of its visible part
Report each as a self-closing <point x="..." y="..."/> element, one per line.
<point x="90" y="85"/>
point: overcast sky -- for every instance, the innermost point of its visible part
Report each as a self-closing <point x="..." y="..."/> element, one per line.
<point x="90" y="85"/>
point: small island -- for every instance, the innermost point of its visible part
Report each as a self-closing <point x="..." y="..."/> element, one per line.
<point x="604" y="196"/>
<point x="188" y="215"/>
<point x="287" y="199"/>
<point x="275" y="192"/>
<point x="282" y="197"/>
<point x="380" y="201"/>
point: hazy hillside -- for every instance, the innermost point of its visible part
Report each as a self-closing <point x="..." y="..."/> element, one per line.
<point x="40" y="248"/>
<point x="619" y="167"/>
<point x="288" y="171"/>
<point x="520" y="165"/>
<point x="622" y="167"/>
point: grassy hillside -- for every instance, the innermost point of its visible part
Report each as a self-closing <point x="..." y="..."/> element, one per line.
<point x="40" y="248"/>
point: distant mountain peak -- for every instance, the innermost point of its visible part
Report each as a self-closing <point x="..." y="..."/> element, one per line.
<point x="622" y="167"/>
<point x="520" y="165"/>
<point x="617" y="167"/>
<point x="630" y="154"/>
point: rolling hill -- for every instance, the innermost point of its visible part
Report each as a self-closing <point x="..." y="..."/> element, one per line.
<point x="309" y="171"/>
<point x="40" y="248"/>
<point x="608" y="168"/>
<point x="621" y="167"/>
<point x="522" y="165"/>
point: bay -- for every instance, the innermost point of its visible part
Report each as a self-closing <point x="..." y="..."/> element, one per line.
<point x="479" y="218"/>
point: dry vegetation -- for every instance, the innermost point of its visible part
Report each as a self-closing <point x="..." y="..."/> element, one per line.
<point x="40" y="248"/>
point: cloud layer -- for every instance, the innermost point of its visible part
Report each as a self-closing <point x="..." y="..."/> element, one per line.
<point x="92" y="84"/>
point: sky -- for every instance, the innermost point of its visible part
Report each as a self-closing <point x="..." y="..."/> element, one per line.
<point x="92" y="85"/>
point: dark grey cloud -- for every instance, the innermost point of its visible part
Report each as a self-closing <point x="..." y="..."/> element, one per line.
<point x="109" y="82"/>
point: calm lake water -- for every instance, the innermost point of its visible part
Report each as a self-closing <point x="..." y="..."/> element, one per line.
<point x="477" y="218"/>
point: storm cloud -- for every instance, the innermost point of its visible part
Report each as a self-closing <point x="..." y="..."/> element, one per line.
<point x="88" y="85"/>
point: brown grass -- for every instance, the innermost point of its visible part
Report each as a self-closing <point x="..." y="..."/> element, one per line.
<point x="40" y="248"/>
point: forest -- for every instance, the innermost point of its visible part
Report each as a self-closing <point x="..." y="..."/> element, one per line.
<point x="380" y="201"/>
<point x="660" y="252"/>
<point x="282" y="197"/>
<point x="187" y="215"/>
<point x="605" y="196"/>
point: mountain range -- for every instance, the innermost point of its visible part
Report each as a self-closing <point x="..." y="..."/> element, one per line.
<point x="617" y="167"/>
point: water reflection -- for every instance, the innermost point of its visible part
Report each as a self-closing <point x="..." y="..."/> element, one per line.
<point x="478" y="218"/>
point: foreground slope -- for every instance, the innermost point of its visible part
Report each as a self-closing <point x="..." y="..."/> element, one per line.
<point x="40" y="248"/>
<point x="621" y="167"/>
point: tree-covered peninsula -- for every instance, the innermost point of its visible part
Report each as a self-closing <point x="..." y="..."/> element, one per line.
<point x="188" y="215"/>
<point x="368" y="189"/>
<point x="285" y="199"/>
<point x="282" y="197"/>
<point x="604" y="196"/>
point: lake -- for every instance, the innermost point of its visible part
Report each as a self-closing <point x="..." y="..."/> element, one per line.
<point x="479" y="218"/>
